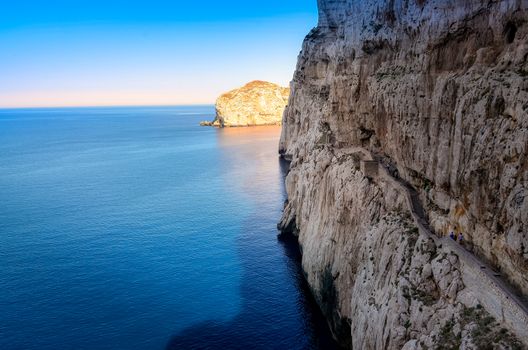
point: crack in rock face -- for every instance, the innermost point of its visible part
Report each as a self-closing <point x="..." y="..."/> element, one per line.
<point x="439" y="89"/>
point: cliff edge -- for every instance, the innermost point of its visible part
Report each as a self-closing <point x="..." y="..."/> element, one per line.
<point x="256" y="103"/>
<point x="435" y="91"/>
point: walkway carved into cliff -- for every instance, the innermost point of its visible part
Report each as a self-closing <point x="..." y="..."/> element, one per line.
<point x="491" y="290"/>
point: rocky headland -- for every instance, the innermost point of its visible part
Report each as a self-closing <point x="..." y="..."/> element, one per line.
<point x="256" y="103"/>
<point x="408" y="120"/>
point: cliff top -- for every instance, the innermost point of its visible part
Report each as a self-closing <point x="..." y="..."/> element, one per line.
<point x="254" y="86"/>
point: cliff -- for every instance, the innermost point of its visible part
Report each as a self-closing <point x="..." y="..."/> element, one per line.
<point x="256" y="103"/>
<point x="436" y="91"/>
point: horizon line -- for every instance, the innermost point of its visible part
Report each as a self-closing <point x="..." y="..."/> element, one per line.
<point x="108" y="106"/>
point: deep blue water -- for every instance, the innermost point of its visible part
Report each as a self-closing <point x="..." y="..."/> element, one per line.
<point x="134" y="228"/>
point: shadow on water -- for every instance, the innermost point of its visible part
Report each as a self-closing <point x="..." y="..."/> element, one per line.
<point x="278" y="310"/>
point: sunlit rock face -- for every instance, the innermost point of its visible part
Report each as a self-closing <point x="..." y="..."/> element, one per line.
<point x="256" y="103"/>
<point x="439" y="88"/>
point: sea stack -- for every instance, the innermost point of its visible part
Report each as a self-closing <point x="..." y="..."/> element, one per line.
<point x="407" y="132"/>
<point x="256" y="103"/>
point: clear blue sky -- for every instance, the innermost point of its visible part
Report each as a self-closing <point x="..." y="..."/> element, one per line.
<point x="63" y="53"/>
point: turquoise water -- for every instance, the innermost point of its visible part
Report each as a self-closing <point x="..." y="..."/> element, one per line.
<point x="134" y="228"/>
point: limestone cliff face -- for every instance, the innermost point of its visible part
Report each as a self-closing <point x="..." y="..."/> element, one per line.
<point x="438" y="90"/>
<point x="256" y="103"/>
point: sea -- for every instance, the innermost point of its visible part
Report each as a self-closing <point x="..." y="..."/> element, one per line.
<point x="136" y="228"/>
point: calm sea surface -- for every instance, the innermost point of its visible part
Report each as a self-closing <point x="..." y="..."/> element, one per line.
<point x="135" y="228"/>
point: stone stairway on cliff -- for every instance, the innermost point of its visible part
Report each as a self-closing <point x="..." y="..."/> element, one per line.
<point x="491" y="289"/>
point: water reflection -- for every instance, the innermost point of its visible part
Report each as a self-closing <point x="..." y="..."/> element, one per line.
<point x="277" y="309"/>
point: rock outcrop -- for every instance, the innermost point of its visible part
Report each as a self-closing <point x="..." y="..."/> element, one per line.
<point x="437" y="90"/>
<point x="256" y="103"/>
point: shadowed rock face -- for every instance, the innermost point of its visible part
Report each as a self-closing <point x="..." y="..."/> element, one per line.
<point x="439" y="88"/>
<point x="257" y="103"/>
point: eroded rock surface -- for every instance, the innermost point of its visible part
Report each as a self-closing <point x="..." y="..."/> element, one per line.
<point x="256" y="103"/>
<point x="438" y="89"/>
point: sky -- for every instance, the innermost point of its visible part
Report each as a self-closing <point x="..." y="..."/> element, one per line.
<point x="115" y="52"/>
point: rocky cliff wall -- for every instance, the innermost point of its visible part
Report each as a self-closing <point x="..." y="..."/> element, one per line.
<point x="439" y="90"/>
<point x="381" y="281"/>
<point x="256" y="103"/>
